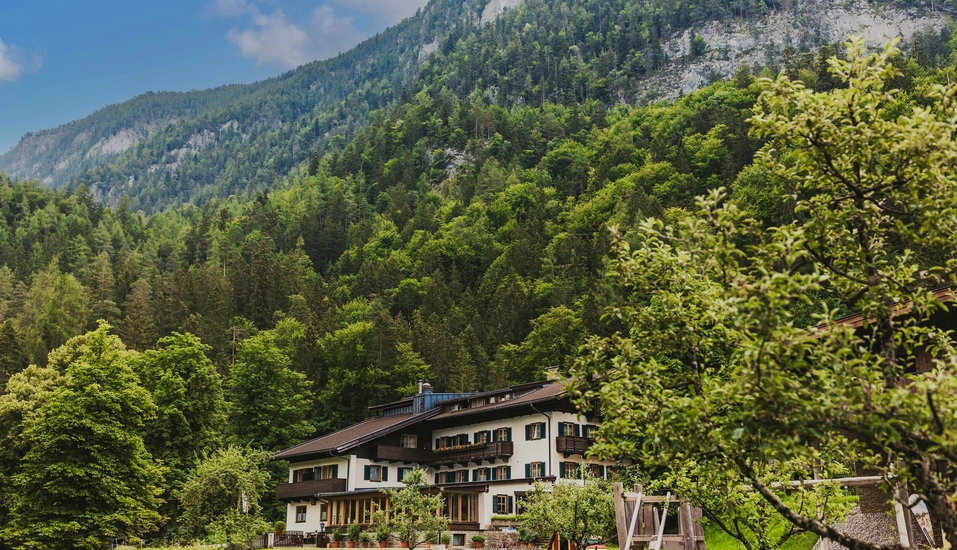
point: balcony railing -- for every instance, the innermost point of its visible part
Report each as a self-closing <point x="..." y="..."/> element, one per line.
<point x="488" y="451"/>
<point x="393" y="453"/>
<point x="572" y="445"/>
<point x="306" y="489"/>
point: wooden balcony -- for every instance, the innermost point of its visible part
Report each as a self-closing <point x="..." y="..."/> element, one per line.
<point x="394" y="453"/>
<point x="571" y="445"/>
<point x="476" y="454"/>
<point x="305" y="490"/>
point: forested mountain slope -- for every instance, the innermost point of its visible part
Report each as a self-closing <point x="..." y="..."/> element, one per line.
<point x="163" y="149"/>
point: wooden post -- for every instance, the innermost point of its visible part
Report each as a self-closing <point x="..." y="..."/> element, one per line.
<point x="620" y="515"/>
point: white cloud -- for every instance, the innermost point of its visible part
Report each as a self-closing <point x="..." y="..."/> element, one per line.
<point x="386" y="12"/>
<point x="14" y="62"/>
<point x="276" y="40"/>
<point x="9" y="69"/>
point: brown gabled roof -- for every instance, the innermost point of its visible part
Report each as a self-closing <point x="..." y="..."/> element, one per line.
<point x="856" y="320"/>
<point x="547" y="392"/>
<point x="353" y="436"/>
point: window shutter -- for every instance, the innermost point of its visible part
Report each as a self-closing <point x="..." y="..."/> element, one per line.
<point x="335" y="471"/>
<point x="528" y="432"/>
<point x="561" y="428"/>
<point x="436" y="443"/>
<point x="541" y="429"/>
<point x="385" y="473"/>
<point x="494" y="435"/>
<point x="511" y="504"/>
<point x="466" y="474"/>
<point x="561" y="470"/>
<point x="437" y="479"/>
<point x="528" y="470"/>
<point x="508" y="434"/>
<point x="365" y="472"/>
<point x="508" y="472"/>
<point x="498" y="509"/>
<point x="463" y="439"/>
<point x="601" y="471"/>
<point x="477" y="438"/>
<point x="494" y="473"/>
<point x="475" y="475"/>
<point x="581" y="472"/>
<point x="488" y="435"/>
<point x="577" y="430"/>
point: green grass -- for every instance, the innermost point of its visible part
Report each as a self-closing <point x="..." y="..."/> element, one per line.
<point x="716" y="539"/>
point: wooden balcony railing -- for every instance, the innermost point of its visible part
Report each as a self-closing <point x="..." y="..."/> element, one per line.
<point x="572" y="445"/>
<point x="394" y="453"/>
<point x="306" y="489"/>
<point x="488" y="451"/>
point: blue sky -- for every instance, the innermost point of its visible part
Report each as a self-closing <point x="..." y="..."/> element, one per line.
<point x="60" y="60"/>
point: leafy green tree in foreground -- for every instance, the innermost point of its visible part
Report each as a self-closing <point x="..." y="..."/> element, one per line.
<point x="86" y="478"/>
<point x="720" y="380"/>
<point x="415" y="513"/>
<point x="191" y="410"/>
<point x="574" y="511"/>
<point x="212" y="496"/>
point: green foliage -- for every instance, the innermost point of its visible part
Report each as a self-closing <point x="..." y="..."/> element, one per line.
<point x="212" y="495"/>
<point x="416" y="513"/>
<point x="269" y="401"/>
<point x="191" y="409"/>
<point x="574" y="511"/>
<point x="718" y="379"/>
<point x="86" y="477"/>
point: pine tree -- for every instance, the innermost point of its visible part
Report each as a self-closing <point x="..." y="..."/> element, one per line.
<point x="12" y="357"/>
<point x="102" y="289"/>
<point x="137" y="329"/>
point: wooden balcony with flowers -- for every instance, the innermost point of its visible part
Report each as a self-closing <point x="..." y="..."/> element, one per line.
<point x="473" y="452"/>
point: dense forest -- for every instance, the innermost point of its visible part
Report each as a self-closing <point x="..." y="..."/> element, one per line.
<point x="455" y="238"/>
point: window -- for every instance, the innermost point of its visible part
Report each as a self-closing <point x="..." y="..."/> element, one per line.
<point x="482" y="437"/>
<point x="461" y="476"/>
<point x="461" y="507"/>
<point x="502" y="434"/>
<point x="458" y="539"/>
<point x="402" y="472"/>
<point x="568" y="470"/>
<point x="481" y="474"/>
<point x="303" y="474"/>
<point x="503" y="472"/>
<point x="490" y="400"/>
<point x="300" y="514"/>
<point x="535" y="470"/>
<point x="568" y="428"/>
<point x="376" y="473"/>
<point x="409" y="441"/>
<point x="503" y="504"/>
<point x="596" y="470"/>
<point x="534" y="431"/>
<point x="590" y="431"/>
<point x="327" y="472"/>
<point x="441" y="443"/>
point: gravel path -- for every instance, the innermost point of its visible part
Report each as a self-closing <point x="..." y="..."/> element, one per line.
<point x="878" y="528"/>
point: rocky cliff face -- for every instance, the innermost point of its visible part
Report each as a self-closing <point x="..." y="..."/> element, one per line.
<point x="761" y="42"/>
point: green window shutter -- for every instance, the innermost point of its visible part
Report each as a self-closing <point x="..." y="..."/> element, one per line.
<point x="561" y="470"/>
<point x="477" y="438"/>
<point x="494" y="473"/>
<point x="385" y="473"/>
<point x="511" y="504"/>
<point x="475" y="475"/>
<point x="494" y="435"/>
<point x="508" y="434"/>
<point x="577" y="430"/>
<point x="528" y="432"/>
<point x="335" y="471"/>
<point x="466" y="475"/>
<point x="488" y="435"/>
<point x="601" y="471"/>
<point x="508" y="472"/>
<point x="561" y="429"/>
<point x="541" y="429"/>
<point x="436" y="443"/>
<point x="436" y="479"/>
<point x="528" y="470"/>
<point x="365" y="472"/>
<point x="463" y="439"/>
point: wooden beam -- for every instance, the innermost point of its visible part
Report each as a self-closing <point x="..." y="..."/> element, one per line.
<point x="620" y="519"/>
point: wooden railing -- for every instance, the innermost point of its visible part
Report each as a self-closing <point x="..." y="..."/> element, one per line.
<point x="393" y="453"/>
<point x="572" y="445"/>
<point x="306" y="489"/>
<point x="489" y="451"/>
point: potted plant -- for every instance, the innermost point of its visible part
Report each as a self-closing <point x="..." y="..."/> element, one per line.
<point x="336" y="537"/>
<point x="354" y="531"/>
<point x="364" y="539"/>
<point x="446" y="539"/>
<point x="279" y="527"/>
<point x="404" y="537"/>
<point x="429" y="538"/>
<point x="382" y="534"/>
<point x="478" y="541"/>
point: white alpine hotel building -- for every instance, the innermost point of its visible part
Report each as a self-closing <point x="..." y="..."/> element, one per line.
<point x="484" y="450"/>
